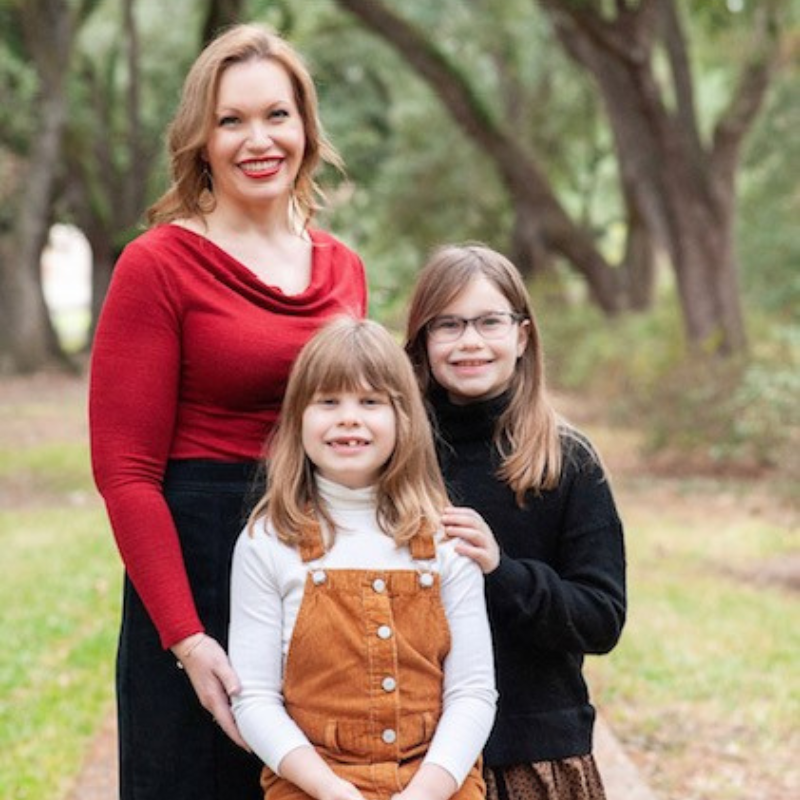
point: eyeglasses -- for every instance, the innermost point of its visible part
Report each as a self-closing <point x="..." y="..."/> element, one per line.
<point x="494" y="325"/>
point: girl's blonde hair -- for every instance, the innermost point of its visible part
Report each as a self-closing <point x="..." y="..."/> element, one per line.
<point x="191" y="191"/>
<point x="350" y="355"/>
<point x="527" y="433"/>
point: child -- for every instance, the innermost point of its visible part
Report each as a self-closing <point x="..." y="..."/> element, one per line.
<point x="359" y="637"/>
<point x="544" y="528"/>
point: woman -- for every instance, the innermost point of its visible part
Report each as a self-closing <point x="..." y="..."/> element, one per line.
<point x="204" y="317"/>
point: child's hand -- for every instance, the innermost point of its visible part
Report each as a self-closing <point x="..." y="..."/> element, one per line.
<point x="342" y="790"/>
<point x="431" y="782"/>
<point x="477" y="540"/>
<point x="306" y="769"/>
<point x="213" y="680"/>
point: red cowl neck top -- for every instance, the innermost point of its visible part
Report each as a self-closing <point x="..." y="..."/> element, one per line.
<point x="190" y="360"/>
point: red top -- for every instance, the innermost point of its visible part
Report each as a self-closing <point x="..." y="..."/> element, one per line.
<point x="190" y="360"/>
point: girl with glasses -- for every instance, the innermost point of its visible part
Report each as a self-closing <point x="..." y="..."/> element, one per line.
<point x="534" y="510"/>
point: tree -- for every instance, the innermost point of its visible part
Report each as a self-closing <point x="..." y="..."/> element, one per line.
<point x="95" y="167"/>
<point x="542" y="223"/>
<point x="681" y="187"/>
<point x="27" y="340"/>
<point x="679" y="191"/>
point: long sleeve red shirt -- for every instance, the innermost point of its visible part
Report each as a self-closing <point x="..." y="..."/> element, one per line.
<point x="190" y="360"/>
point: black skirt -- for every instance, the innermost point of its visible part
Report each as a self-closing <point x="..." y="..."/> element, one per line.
<point x="169" y="746"/>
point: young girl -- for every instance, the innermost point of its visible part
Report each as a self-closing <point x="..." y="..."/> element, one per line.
<point x="544" y="528"/>
<point x="359" y="637"/>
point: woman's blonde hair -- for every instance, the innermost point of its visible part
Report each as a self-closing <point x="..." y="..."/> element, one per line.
<point x="348" y="355"/>
<point x="527" y="433"/>
<point x="191" y="193"/>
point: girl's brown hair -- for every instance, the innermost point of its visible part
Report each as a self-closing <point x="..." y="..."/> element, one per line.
<point x="190" y="193"/>
<point x="527" y="433"/>
<point x="348" y="355"/>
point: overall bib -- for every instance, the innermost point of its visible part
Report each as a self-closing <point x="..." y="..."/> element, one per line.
<point x="364" y="672"/>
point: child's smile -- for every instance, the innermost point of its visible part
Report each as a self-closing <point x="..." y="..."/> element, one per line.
<point x="349" y="436"/>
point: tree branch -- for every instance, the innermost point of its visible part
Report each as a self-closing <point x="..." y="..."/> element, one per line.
<point x="749" y="95"/>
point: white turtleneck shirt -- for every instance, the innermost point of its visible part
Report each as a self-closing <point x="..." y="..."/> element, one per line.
<point x="267" y="584"/>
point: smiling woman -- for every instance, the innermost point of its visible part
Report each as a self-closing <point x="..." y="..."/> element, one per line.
<point x="216" y="300"/>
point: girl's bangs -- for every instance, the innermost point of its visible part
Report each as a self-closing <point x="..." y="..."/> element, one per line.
<point x="353" y="370"/>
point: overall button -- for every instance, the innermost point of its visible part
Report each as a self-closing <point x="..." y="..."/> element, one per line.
<point x="389" y="736"/>
<point x="384" y="632"/>
<point x="379" y="585"/>
<point x="319" y="576"/>
<point x="388" y="684"/>
<point x="426" y="579"/>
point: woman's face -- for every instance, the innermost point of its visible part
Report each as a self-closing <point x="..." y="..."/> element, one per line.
<point x="472" y="366"/>
<point x="257" y="140"/>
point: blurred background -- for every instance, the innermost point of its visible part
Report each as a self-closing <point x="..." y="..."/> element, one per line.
<point x="637" y="159"/>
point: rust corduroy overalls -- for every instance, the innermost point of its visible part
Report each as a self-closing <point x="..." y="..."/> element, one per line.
<point x="363" y="675"/>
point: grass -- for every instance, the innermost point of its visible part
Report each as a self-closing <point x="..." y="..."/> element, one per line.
<point x="59" y="594"/>
<point x="60" y="606"/>
<point x="703" y="689"/>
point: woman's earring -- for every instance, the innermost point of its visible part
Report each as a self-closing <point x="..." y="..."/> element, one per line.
<point x="208" y="178"/>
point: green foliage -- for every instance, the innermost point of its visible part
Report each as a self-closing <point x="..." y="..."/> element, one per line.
<point x="18" y="82"/>
<point x="732" y="414"/>
<point x="768" y="237"/>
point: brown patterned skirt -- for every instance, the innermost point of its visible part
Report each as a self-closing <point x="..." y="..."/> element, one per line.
<point x="574" y="778"/>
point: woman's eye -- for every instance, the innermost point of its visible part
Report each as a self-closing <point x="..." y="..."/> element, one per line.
<point x="279" y="113"/>
<point x="228" y="121"/>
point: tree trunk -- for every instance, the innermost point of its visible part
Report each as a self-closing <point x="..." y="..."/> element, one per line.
<point x="525" y="180"/>
<point x="682" y="191"/>
<point x="29" y="339"/>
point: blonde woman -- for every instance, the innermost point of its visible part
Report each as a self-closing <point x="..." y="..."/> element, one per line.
<point x="205" y="314"/>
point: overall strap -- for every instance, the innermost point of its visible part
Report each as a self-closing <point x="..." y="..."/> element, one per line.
<point x="422" y="546"/>
<point x="311" y="545"/>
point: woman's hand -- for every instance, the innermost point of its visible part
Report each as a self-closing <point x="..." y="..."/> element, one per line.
<point x="476" y="538"/>
<point x="213" y="679"/>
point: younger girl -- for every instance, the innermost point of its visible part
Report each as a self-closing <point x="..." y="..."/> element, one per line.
<point x="359" y="637"/>
<point x="545" y="530"/>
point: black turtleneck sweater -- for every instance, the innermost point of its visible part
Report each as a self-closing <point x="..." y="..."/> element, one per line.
<point x="557" y="594"/>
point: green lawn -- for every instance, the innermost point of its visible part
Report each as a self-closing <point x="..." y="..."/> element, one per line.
<point x="703" y="690"/>
<point x="59" y="597"/>
<point x="705" y="685"/>
<point x="59" y="594"/>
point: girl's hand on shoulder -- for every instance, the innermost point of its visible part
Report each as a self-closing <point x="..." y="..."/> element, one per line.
<point x="213" y="679"/>
<point x="476" y="538"/>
